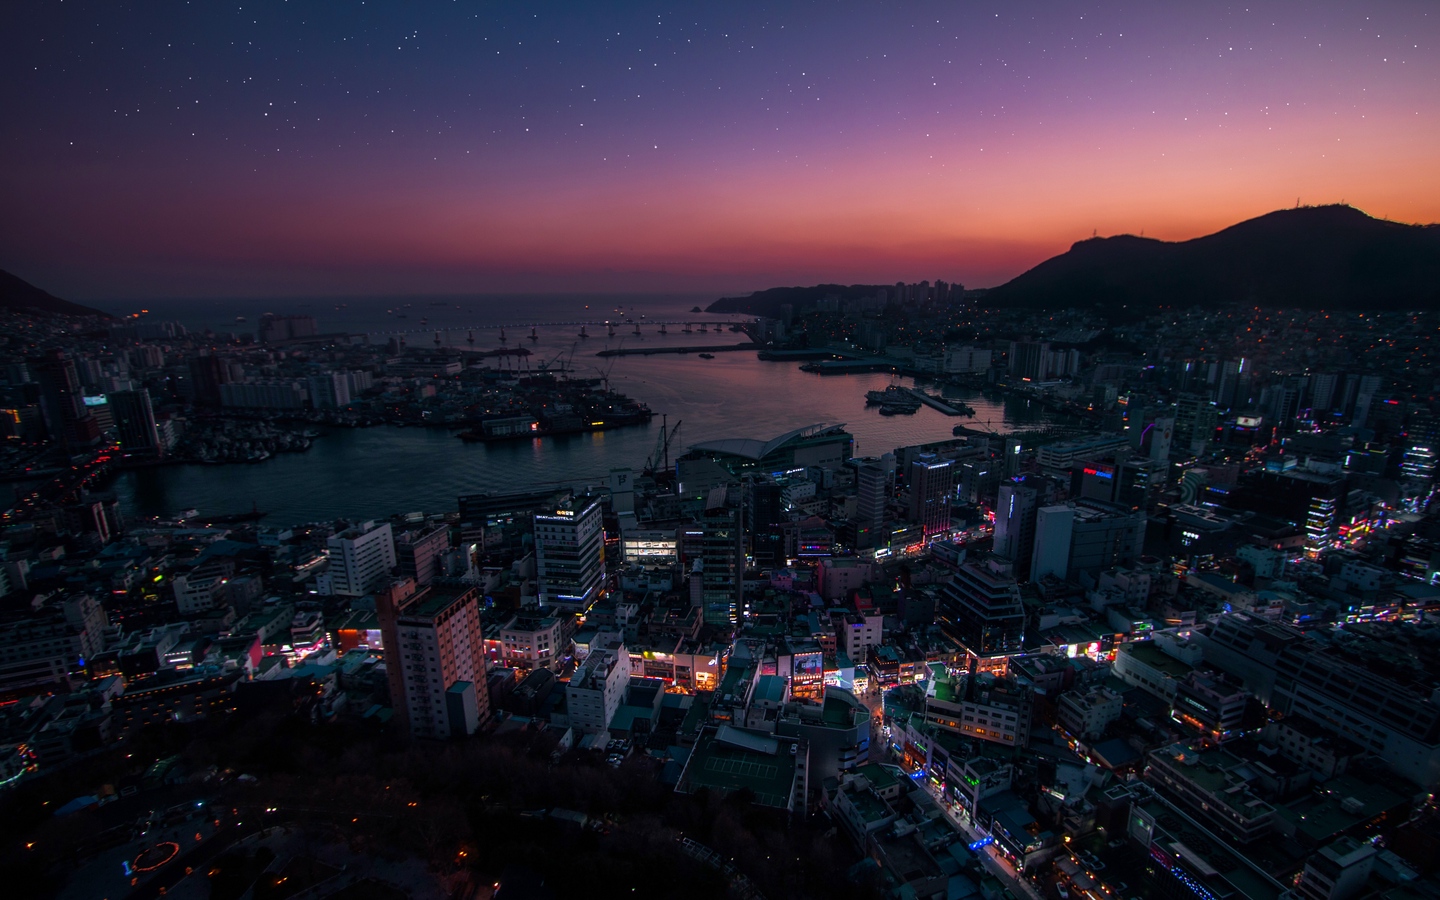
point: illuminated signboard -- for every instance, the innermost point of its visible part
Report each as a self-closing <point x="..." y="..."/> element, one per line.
<point x="809" y="667"/>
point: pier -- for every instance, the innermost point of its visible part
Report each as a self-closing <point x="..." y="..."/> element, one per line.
<point x="937" y="404"/>
<point x="651" y="351"/>
<point x="662" y="326"/>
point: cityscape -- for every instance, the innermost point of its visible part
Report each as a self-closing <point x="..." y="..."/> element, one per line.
<point x="1103" y="568"/>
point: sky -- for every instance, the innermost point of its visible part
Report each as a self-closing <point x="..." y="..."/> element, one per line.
<point x="245" y="149"/>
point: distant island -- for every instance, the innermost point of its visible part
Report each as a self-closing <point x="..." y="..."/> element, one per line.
<point x="1322" y="257"/>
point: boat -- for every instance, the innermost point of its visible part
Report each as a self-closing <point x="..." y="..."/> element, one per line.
<point x="239" y="319"/>
<point x="894" y="394"/>
<point x="900" y="409"/>
<point x="707" y="356"/>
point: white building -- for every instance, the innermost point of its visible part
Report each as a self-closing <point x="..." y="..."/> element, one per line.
<point x="840" y="577"/>
<point x="1337" y="871"/>
<point x="533" y="642"/>
<point x="596" y="689"/>
<point x="200" y="590"/>
<point x="1086" y="715"/>
<point x="361" y="559"/>
<point x="966" y="360"/>
<point x="570" y="555"/>
<point x="858" y="633"/>
<point x="330" y="390"/>
<point x="1143" y="664"/>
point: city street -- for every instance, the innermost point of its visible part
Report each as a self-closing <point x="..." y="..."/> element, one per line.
<point x="993" y="861"/>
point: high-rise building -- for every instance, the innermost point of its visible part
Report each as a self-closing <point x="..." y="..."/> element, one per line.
<point x="1422" y="439"/>
<point x="435" y="659"/>
<point x="1361" y="390"/>
<point x="207" y="373"/>
<point x="1028" y="359"/>
<point x="570" y="555"/>
<point x="361" y="559"/>
<point x="135" y="421"/>
<point x="1085" y="537"/>
<point x="418" y="553"/>
<point x="1051" y="555"/>
<point x="870" y="493"/>
<point x="722" y="560"/>
<point x="764" y="505"/>
<point x="1323" y="388"/>
<point x="1195" y="422"/>
<point x="330" y="390"/>
<point x="1015" y="525"/>
<point x="932" y="483"/>
<point x="1010" y="464"/>
<point x="985" y="609"/>
<point x="62" y="403"/>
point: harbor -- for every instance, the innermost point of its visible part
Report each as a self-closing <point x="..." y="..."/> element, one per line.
<point x="651" y="351"/>
<point x="898" y="400"/>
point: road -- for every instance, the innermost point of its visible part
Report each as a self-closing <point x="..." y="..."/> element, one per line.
<point x="989" y="855"/>
<point x="994" y="863"/>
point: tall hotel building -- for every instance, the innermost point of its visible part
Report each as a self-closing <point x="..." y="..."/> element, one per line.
<point x="570" y="555"/>
<point x="932" y="484"/>
<point x="434" y="658"/>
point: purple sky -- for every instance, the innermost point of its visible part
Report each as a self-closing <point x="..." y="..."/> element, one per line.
<point x="190" y="149"/>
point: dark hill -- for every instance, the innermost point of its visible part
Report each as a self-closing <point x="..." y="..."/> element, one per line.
<point x="1325" y="257"/>
<point x="768" y="302"/>
<point x="21" y="296"/>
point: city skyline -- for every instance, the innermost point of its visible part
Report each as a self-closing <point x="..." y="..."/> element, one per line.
<point x="263" y="150"/>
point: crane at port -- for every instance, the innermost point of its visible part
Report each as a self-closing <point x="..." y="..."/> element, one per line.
<point x="605" y="372"/>
<point x="660" y="457"/>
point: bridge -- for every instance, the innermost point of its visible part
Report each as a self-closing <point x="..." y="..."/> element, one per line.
<point x="592" y="327"/>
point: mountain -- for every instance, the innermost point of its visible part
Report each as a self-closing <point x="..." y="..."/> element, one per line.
<point x="21" y="296"/>
<point x="1323" y="257"/>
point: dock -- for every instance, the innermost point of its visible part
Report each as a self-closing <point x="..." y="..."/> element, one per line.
<point x="937" y="404"/>
<point x="651" y="351"/>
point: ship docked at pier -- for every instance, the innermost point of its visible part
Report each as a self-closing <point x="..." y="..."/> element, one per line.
<point x="556" y="407"/>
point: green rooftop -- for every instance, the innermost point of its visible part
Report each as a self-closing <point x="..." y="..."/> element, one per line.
<point x="726" y="767"/>
<point x="1152" y="656"/>
<point x="879" y="777"/>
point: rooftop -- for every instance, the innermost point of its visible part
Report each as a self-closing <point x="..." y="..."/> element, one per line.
<point x="750" y="448"/>
<point x="1148" y="653"/>
<point x="741" y="761"/>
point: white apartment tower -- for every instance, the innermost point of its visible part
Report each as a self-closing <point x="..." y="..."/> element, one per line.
<point x="361" y="559"/>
